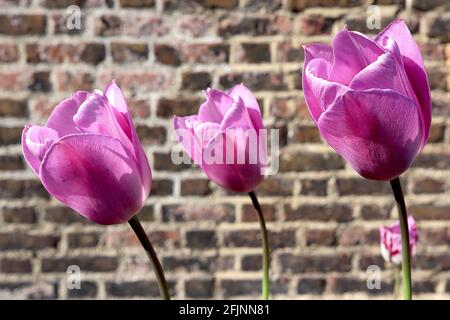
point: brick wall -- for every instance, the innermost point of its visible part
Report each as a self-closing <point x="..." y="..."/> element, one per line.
<point x="323" y="218"/>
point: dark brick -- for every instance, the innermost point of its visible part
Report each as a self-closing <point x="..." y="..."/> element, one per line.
<point x="9" y="52"/>
<point x="428" y="185"/>
<point x="11" y="163"/>
<point x="309" y="161"/>
<point x="314" y="187"/>
<point x="198" y="212"/>
<point x="129" y="52"/>
<point x="195" y="81"/>
<point x="83" y="240"/>
<point x="147" y="213"/>
<point x="20" y="215"/>
<point x="440" y="261"/>
<point x="275" y="186"/>
<point x="435" y="161"/>
<point x="21" y="24"/>
<point x="311" y="286"/>
<point x="232" y="288"/>
<point x="199" y="288"/>
<point x="109" y="25"/>
<point x="64" y="215"/>
<point x="195" y="187"/>
<point x="253" y="53"/>
<point x="360" y="186"/>
<point x="205" y="53"/>
<point x="40" y="82"/>
<point x="86" y="263"/>
<point x="62" y="4"/>
<point x="374" y="212"/>
<point x="251" y="262"/>
<point x="88" y="290"/>
<point x="163" y="162"/>
<point x="358" y="235"/>
<point x="249" y="213"/>
<point x="315" y="25"/>
<point x="337" y="212"/>
<point x="315" y="263"/>
<point x="93" y="53"/>
<point x="431" y="212"/>
<point x="137" y="3"/>
<point x="367" y="260"/>
<point x="13" y="108"/>
<point x="10" y="135"/>
<point x="252" y="238"/>
<point x="162" y="187"/>
<point x="190" y="264"/>
<point x="166" y="107"/>
<point x="303" y="4"/>
<point x="151" y="135"/>
<point x="15" y="265"/>
<point x="256" y="81"/>
<point x="306" y="134"/>
<point x="23" y="241"/>
<point x="167" y="54"/>
<point x="320" y="237"/>
<point x="201" y="239"/>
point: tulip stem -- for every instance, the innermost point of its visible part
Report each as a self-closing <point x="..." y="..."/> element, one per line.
<point x="404" y="229"/>
<point x="266" y="249"/>
<point x="398" y="281"/>
<point x="151" y="253"/>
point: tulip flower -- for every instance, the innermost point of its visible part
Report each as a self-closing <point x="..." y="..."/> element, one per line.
<point x="371" y="101"/>
<point x="391" y="241"/>
<point x="391" y="246"/>
<point x="226" y="139"/>
<point x="89" y="157"/>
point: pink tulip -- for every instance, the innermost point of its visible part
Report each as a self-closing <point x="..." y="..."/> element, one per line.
<point x="228" y="124"/>
<point x="89" y="157"/>
<point x="370" y="99"/>
<point x="391" y="241"/>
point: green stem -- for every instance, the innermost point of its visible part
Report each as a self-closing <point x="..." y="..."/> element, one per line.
<point x="398" y="281"/>
<point x="266" y="249"/>
<point x="147" y="245"/>
<point x="404" y="229"/>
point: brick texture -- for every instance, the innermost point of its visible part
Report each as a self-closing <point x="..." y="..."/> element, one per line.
<point x="323" y="218"/>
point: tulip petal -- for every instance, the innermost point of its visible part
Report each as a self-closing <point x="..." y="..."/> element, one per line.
<point x="116" y="99"/>
<point x="318" y="51"/>
<point x="353" y="52"/>
<point x="385" y="73"/>
<point x="184" y="132"/>
<point x="94" y="175"/>
<point x="215" y="107"/>
<point x="319" y="92"/>
<point x="379" y="132"/>
<point x="61" y="118"/>
<point x="228" y="172"/>
<point x="120" y="111"/>
<point x="236" y="116"/>
<point x="399" y="32"/>
<point x="36" y="141"/>
<point x="241" y="91"/>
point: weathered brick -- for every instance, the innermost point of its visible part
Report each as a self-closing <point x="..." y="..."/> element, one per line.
<point x="129" y="52"/>
<point x="195" y="53"/>
<point x="23" y="24"/>
<point x="88" y="289"/>
<point x="190" y="264"/>
<point x="198" y="212"/>
<point x="320" y="237"/>
<point x="315" y="263"/>
<point x="167" y="107"/>
<point x="23" y="241"/>
<point x="151" y="135"/>
<point x="195" y="81"/>
<point x="315" y="25"/>
<point x="435" y="161"/>
<point x="8" y="52"/>
<point x="360" y="186"/>
<point x="199" y="288"/>
<point x="63" y="215"/>
<point x="374" y="212"/>
<point x="249" y="213"/>
<point x="13" y="108"/>
<point x="40" y="82"/>
<point x="162" y="187"/>
<point x="251" y="262"/>
<point x="438" y="25"/>
<point x="252" y="238"/>
<point x="140" y="288"/>
<point x="83" y="239"/>
<point x="195" y="187"/>
<point x="311" y="286"/>
<point x="86" y="263"/>
<point x="430" y="261"/>
<point x="256" y="81"/>
<point x="15" y="265"/>
<point x="252" y="53"/>
<point x="167" y="54"/>
<point x="340" y="213"/>
<point x="275" y="186"/>
<point x="431" y="212"/>
<point x="310" y="161"/>
<point x="62" y="4"/>
<point x="26" y="215"/>
<point x="255" y="26"/>
<point x="137" y="3"/>
<point x="11" y="163"/>
<point x="312" y="187"/>
<point x="303" y="4"/>
<point x="74" y="81"/>
<point x="201" y="239"/>
<point x="428" y="185"/>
